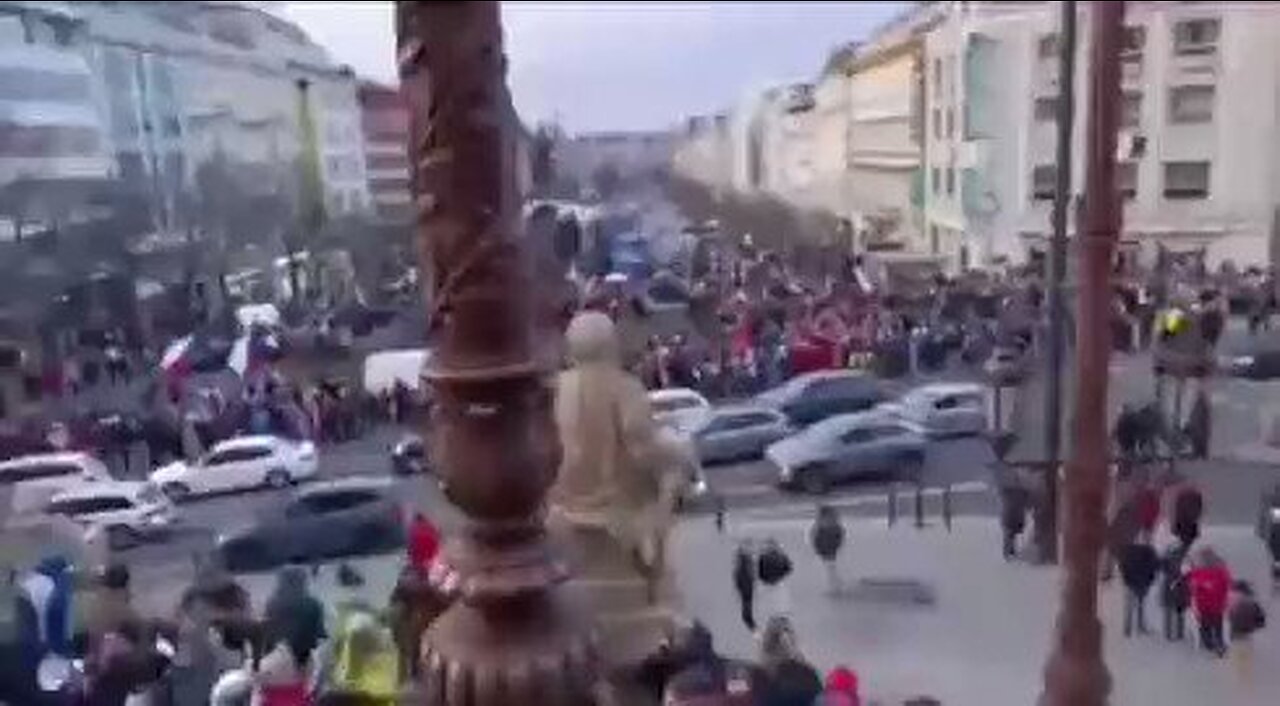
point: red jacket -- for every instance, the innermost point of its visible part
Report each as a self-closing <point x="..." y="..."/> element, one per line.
<point x="1209" y="588"/>
<point x="1148" y="507"/>
<point x="424" y="543"/>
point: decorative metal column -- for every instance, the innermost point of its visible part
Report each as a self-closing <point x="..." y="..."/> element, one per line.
<point x="509" y="638"/>
<point x="1076" y="674"/>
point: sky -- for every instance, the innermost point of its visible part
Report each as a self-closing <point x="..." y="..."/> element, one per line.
<point x="623" y="66"/>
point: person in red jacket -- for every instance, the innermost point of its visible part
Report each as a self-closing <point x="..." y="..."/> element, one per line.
<point x="424" y="543"/>
<point x="1210" y="583"/>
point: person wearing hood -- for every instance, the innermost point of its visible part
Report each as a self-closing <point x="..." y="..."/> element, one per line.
<point x="1210" y="583"/>
<point x="616" y="473"/>
<point x="293" y="616"/>
<point x="1139" y="564"/>
<point x="788" y="678"/>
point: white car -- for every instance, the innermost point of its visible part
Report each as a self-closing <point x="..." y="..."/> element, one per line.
<point x="680" y="408"/>
<point x="238" y="464"/>
<point x="33" y="480"/>
<point x="942" y="409"/>
<point x="125" y="513"/>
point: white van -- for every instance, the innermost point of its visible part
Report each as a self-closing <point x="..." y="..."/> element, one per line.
<point x="384" y="368"/>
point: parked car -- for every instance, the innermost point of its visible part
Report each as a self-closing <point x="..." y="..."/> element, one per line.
<point x="33" y="480"/>
<point x="125" y="513"/>
<point x="738" y="432"/>
<point x="330" y="520"/>
<point x="680" y="408"/>
<point x="815" y="396"/>
<point x="845" y="447"/>
<point x="237" y="464"/>
<point x="942" y="409"/>
<point x="409" y="456"/>
<point x="1255" y="365"/>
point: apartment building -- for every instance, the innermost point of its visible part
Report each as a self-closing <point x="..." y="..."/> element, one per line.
<point x="1199" y="132"/>
<point x="385" y="121"/>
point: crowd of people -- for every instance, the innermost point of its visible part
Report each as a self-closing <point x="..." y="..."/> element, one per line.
<point x="213" y="649"/>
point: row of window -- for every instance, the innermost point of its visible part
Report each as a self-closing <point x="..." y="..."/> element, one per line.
<point x="23" y="84"/>
<point x="1182" y="180"/>
<point x="1191" y="37"/>
<point x="47" y="141"/>
<point x="1187" y="105"/>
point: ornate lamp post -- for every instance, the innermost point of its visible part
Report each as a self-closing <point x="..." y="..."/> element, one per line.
<point x="509" y="638"/>
<point x="1076" y="674"/>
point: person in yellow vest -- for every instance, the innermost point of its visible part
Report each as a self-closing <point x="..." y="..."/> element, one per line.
<point x="366" y="664"/>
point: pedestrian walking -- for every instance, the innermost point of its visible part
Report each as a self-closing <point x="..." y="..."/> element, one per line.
<point x="1139" y="564"/>
<point x="1175" y="594"/>
<point x="1269" y="531"/>
<point x="1188" y="508"/>
<point x="773" y="566"/>
<point x="1210" y="583"/>
<point x="827" y="537"/>
<point x="293" y="616"/>
<point x="1245" y="618"/>
<point x="744" y="582"/>
<point x="1199" y="428"/>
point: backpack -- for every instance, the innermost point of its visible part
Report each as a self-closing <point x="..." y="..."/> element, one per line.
<point x="773" y="566"/>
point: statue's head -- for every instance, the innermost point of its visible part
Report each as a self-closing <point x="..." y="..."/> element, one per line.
<point x="592" y="338"/>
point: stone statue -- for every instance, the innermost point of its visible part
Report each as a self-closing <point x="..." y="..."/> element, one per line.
<point x="611" y="505"/>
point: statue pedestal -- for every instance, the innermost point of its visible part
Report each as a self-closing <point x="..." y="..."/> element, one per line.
<point x="631" y="614"/>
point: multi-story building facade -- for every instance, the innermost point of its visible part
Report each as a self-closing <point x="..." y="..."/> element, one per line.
<point x="176" y="83"/>
<point x="51" y="135"/>
<point x="1200" y="125"/>
<point x="385" y="121"/>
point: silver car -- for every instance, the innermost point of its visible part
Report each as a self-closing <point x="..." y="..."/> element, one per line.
<point x="739" y="432"/>
<point x="845" y="447"/>
<point x="942" y="409"/>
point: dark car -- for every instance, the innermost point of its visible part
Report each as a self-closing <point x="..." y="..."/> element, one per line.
<point x="1257" y="365"/>
<point x="354" y="517"/>
<point x="815" y="396"/>
<point x="409" y="456"/>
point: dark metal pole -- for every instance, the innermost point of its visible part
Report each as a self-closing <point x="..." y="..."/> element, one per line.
<point x="509" y="637"/>
<point x="1075" y="674"/>
<point x="1047" y="509"/>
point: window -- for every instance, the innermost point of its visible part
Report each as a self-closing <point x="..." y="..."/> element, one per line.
<point x="937" y="124"/>
<point x="951" y="181"/>
<point x="935" y="178"/>
<point x="388" y="161"/>
<point x="937" y="76"/>
<point x="1044" y="179"/>
<point x="886" y="432"/>
<point x="1046" y="109"/>
<point x="933" y="239"/>
<point x="20" y="84"/>
<point x="671" y="404"/>
<point x="35" y="471"/>
<point x="1131" y="109"/>
<point x="1127" y="179"/>
<point x="323" y="503"/>
<point x="1047" y="47"/>
<point x="1191" y="104"/>
<point x="240" y="454"/>
<point x="951" y="124"/>
<point x="90" y="506"/>
<point x="857" y="436"/>
<point x="1191" y="37"/>
<point x="1186" y="180"/>
<point x="1133" y="41"/>
<point x="46" y="140"/>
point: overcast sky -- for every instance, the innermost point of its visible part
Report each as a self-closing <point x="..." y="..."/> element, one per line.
<point x="621" y="66"/>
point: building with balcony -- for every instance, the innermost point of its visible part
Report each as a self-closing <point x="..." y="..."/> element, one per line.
<point x="385" y="122"/>
<point x="1200" y="126"/>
